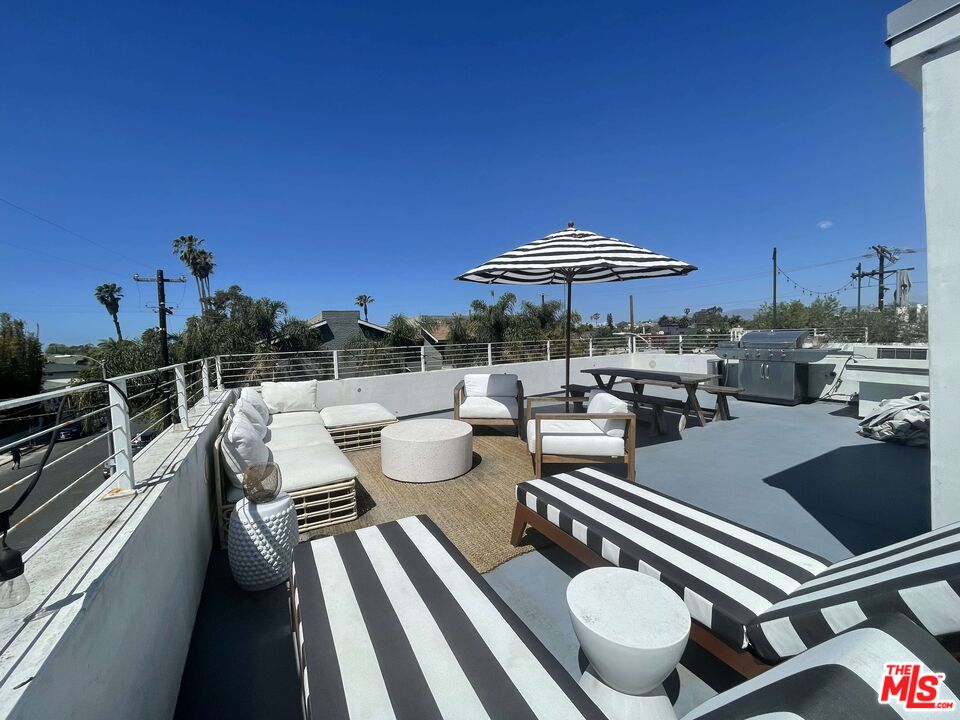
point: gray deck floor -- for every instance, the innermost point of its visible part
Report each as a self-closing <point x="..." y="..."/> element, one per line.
<point x="801" y="474"/>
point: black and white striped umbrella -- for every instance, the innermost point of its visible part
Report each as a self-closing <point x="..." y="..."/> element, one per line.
<point x="575" y="256"/>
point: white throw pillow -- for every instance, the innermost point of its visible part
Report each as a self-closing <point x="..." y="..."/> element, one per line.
<point x="245" y="442"/>
<point x="282" y="397"/>
<point x="605" y="404"/>
<point x="245" y="408"/>
<point x="497" y="385"/>
<point x="251" y="396"/>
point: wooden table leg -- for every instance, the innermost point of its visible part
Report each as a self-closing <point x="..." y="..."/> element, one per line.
<point x="694" y="404"/>
<point x="723" y="410"/>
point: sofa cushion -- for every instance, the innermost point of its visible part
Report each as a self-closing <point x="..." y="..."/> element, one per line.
<point x="308" y="467"/>
<point x="251" y="413"/>
<point x="604" y="404"/>
<point x="919" y="578"/>
<point x="489" y="408"/>
<point x="334" y="416"/>
<point x="490" y="385"/>
<point x="282" y="397"/>
<point x="295" y="419"/>
<point x="297" y="436"/>
<point x="242" y="446"/>
<point x="573" y="437"/>
<point x="255" y="399"/>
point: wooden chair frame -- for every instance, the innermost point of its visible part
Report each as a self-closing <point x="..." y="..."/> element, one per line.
<point x="742" y="661"/>
<point x="459" y="396"/>
<point x="629" y="438"/>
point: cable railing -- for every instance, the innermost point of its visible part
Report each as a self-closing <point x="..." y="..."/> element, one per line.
<point x="245" y="369"/>
<point x="105" y="424"/>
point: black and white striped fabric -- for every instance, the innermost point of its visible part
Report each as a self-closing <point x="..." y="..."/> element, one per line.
<point x="392" y="622"/>
<point x="725" y="573"/>
<point x="840" y="678"/>
<point x="919" y="578"/>
<point x="589" y="257"/>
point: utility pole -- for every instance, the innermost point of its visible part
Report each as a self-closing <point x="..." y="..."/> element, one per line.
<point x="883" y="253"/>
<point x="774" y="287"/>
<point x="162" y="312"/>
<point x="631" y="313"/>
<point x="859" y="277"/>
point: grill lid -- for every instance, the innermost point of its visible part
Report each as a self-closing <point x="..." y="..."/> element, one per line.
<point x="773" y="339"/>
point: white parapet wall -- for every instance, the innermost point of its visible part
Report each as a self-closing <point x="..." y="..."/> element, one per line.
<point x="115" y="588"/>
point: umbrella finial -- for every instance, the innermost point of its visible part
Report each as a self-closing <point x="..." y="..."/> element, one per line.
<point x="569" y="224"/>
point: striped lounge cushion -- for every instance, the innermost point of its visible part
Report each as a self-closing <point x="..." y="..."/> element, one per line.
<point x="840" y="678"/>
<point x="726" y="574"/>
<point x="919" y="578"/>
<point x="392" y="622"/>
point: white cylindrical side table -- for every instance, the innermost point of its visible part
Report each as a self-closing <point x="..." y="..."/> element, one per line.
<point x="260" y="542"/>
<point x="633" y="630"/>
<point x="426" y="450"/>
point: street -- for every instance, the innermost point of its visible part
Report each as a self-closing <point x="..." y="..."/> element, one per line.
<point x="53" y="480"/>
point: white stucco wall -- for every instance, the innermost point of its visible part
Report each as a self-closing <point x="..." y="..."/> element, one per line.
<point x="930" y="59"/>
<point x="125" y="576"/>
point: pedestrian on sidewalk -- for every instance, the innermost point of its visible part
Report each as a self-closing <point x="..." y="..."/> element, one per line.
<point x="15" y="454"/>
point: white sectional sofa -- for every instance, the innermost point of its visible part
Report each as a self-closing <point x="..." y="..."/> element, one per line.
<point x="282" y="423"/>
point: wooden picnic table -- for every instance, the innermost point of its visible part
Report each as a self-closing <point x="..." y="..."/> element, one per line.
<point x="606" y="378"/>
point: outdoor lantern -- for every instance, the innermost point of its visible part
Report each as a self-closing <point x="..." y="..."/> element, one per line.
<point x="14" y="587"/>
<point x="261" y="482"/>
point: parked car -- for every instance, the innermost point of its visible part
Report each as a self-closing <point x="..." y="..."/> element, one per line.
<point x="141" y="440"/>
<point x="72" y="431"/>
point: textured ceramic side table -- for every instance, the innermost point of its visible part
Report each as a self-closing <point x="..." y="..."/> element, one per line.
<point x="633" y="630"/>
<point x="426" y="450"/>
<point x="260" y="542"/>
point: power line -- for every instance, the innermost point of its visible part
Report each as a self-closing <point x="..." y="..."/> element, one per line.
<point x="65" y="229"/>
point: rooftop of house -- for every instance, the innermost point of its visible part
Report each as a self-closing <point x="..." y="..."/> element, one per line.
<point x="801" y="474"/>
<point x="339" y="327"/>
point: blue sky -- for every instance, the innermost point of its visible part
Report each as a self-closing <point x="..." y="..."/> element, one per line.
<point x="329" y="149"/>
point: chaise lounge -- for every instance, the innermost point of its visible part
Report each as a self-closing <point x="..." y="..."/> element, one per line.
<point x="392" y="621"/>
<point x="756" y="600"/>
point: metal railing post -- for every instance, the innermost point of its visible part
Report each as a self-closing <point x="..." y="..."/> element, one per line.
<point x="180" y="374"/>
<point x="336" y="364"/>
<point x="120" y="429"/>
<point x="548" y="349"/>
<point x="680" y="344"/>
<point x="219" y="369"/>
<point x="423" y="358"/>
<point x="489" y="353"/>
<point x="590" y="348"/>
<point x="205" y="379"/>
<point x="866" y="335"/>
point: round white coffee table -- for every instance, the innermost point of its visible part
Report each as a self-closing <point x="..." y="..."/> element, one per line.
<point x="426" y="450"/>
<point x="633" y="630"/>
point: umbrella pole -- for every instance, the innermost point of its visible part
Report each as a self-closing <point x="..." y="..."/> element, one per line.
<point x="567" y="354"/>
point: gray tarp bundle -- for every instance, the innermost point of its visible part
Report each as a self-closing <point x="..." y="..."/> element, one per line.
<point x="905" y="420"/>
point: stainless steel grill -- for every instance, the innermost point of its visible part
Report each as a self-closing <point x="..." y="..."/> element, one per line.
<point x="773" y="365"/>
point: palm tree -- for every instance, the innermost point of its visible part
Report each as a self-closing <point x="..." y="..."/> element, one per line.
<point x="109" y="295"/>
<point x="596" y="318"/>
<point x="199" y="262"/>
<point x="364" y="302"/>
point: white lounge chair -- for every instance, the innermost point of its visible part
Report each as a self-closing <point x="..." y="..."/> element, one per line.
<point x="494" y="399"/>
<point x="605" y="433"/>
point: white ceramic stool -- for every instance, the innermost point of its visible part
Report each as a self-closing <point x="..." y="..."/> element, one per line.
<point x="260" y="542"/>
<point x="426" y="450"/>
<point x="633" y="630"/>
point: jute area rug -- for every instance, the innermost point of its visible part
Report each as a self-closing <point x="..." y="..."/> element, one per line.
<point x="474" y="510"/>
